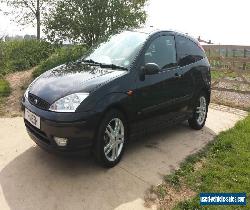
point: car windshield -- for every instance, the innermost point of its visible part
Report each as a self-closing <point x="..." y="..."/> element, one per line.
<point x="119" y="49"/>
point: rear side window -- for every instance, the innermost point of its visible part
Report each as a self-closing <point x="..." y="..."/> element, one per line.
<point x="187" y="51"/>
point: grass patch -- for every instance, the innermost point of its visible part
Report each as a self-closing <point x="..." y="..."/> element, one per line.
<point x="4" y="92"/>
<point x="1" y="107"/>
<point x="161" y="191"/>
<point x="217" y="74"/>
<point x="60" y="56"/>
<point x="4" y="88"/>
<point x="225" y="167"/>
<point x="18" y="55"/>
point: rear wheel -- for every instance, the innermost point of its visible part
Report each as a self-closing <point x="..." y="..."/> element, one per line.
<point x="111" y="139"/>
<point x="200" y="112"/>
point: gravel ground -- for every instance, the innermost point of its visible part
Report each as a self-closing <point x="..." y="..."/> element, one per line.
<point x="233" y="99"/>
<point x="237" y="100"/>
<point x="236" y="85"/>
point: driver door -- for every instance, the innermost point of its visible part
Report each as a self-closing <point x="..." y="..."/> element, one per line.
<point x="158" y="91"/>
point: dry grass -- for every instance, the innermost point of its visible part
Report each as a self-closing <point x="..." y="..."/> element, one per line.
<point x="11" y="105"/>
<point x="166" y="196"/>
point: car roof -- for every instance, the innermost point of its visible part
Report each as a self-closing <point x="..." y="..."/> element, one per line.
<point x="152" y="30"/>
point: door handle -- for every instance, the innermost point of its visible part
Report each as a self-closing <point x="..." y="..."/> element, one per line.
<point x="178" y="75"/>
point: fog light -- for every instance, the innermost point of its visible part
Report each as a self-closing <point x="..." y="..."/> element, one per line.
<point x="62" y="142"/>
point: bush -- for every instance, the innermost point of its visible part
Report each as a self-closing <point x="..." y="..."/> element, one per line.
<point x="4" y="88"/>
<point x="19" y="55"/>
<point x="60" y="56"/>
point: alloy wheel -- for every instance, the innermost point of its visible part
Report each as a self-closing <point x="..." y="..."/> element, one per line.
<point x="201" y="110"/>
<point x="113" y="139"/>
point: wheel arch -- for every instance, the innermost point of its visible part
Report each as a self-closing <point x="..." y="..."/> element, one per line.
<point x="116" y="101"/>
<point x="207" y="92"/>
<point x="119" y="108"/>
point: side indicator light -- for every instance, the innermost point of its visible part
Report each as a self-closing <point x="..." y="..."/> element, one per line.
<point x="130" y="92"/>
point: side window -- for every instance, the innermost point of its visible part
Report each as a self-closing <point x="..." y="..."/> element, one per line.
<point x="187" y="51"/>
<point x="162" y="52"/>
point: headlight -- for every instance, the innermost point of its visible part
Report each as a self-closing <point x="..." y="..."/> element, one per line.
<point x="68" y="103"/>
<point x="26" y="94"/>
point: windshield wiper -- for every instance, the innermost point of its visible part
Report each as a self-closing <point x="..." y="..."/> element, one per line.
<point x="90" y="61"/>
<point x="113" y="66"/>
<point x="103" y="65"/>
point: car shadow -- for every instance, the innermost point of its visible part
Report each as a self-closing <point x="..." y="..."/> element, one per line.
<point x="36" y="179"/>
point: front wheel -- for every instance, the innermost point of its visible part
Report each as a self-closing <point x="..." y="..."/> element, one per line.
<point x="111" y="139"/>
<point x="200" y="113"/>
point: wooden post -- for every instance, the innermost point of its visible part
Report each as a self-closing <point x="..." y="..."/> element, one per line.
<point x="245" y="55"/>
<point x="233" y="63"/>
<point x="233" y="52"/>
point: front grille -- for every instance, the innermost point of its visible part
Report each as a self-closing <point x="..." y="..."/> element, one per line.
<point x="38" y="102"/>
<point x="38" y="133"/>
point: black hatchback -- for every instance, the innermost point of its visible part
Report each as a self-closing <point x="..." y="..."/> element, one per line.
<point x="98" y="102"/>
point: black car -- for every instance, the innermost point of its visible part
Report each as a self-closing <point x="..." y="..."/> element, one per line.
<point x="135" y="76"/>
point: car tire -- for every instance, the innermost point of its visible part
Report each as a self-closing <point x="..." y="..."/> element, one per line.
<point x="111" y="139"/>
<point x="199" y="116"/>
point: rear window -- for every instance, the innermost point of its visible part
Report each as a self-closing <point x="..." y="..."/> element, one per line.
<point x="187" y="51"/>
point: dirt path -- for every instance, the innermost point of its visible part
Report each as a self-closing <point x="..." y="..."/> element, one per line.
<point x="18" y="83"/>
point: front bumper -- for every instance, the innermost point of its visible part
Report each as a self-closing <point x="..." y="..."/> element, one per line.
<point x="79" y="128"/>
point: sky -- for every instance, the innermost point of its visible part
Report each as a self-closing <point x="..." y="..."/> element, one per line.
<point x="222" y="21"/>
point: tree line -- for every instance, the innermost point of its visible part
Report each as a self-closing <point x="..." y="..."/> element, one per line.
<point x="77" y="21"/>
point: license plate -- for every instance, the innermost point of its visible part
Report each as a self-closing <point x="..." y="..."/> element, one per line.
<point x="32" y="118"/>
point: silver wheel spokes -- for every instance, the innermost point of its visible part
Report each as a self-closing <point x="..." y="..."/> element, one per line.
<point x="113" y="139"/>
<point x="201" y="110"/>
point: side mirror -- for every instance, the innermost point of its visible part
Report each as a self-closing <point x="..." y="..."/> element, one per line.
<point x="151" y="68"/>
